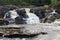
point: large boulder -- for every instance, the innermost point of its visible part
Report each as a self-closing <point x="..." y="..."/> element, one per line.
<point x="39" y="11"/>
<point x="5" y="8"/>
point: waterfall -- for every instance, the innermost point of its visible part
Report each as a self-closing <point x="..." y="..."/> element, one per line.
<point x="10" y="16"/>
<point x="53" y="12"/>
<point x="33" y="19"/>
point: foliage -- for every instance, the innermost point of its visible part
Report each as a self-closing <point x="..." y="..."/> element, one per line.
<point x="54" y="3"/>
<point x="25" y="2"/>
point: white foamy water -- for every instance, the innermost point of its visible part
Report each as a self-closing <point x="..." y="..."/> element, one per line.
<point x="33" y="19"/>
<point x="10" y="16"/>
<point x="13" y="14"/>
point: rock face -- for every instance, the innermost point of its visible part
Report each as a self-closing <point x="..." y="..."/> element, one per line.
<point x="24" y="29"/>
<point x="52" y="31"/>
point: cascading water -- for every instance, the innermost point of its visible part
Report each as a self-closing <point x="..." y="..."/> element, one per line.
<point x="33" y="19"/>
<point x="10" y="16"/>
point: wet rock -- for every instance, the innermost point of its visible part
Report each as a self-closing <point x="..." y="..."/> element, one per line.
<point x="47" y="32"/>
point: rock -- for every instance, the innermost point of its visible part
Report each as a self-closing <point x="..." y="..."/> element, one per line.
<point x="52" y="31"/>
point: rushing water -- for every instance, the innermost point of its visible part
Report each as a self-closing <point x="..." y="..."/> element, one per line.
<point x="31" y="19"/>
<point x="52" y="34"/>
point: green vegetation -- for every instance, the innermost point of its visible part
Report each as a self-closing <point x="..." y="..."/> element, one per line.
<point x="55" y="3"/>
<point x="28" y="2"/>
<point x="25" y="2"/>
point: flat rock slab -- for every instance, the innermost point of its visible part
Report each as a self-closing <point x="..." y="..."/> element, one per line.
<point x="35" y="28"/>
<point x="53" y="31"/>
